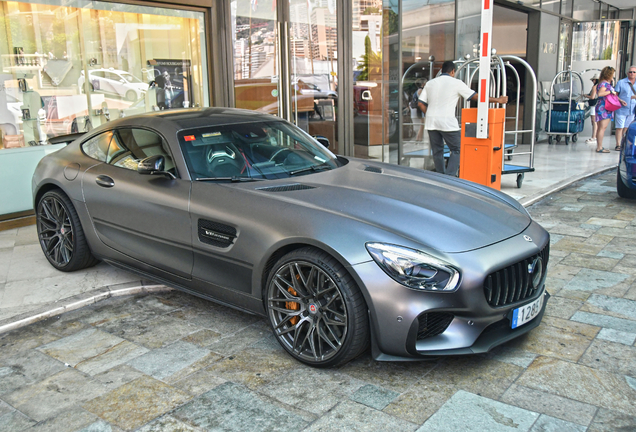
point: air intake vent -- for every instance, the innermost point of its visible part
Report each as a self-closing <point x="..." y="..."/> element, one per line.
<point x="285" y="188"/>
<point x="514" y="283"/>
<point x="216" y="234"/>
<point x="373" y="169"/>
<point x="433" y="324"/>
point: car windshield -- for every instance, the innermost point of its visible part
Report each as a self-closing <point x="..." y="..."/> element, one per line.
<point x="257" y="150"/>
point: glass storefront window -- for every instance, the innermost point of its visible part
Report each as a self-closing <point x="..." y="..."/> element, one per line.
<point x="551" y="5"/>
<point x="69" y="69"/>
<point x="309" y="63"/>
<point x="595" y="41"/>
<point x="428" y="39"/>
<point x="586" y="10"/>
<point x="372" y="24"/>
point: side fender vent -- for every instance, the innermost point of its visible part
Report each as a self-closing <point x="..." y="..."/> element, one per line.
<point x="285" y="188"/>
<point x="216" y="234"/>
<point x="373" y="169"/>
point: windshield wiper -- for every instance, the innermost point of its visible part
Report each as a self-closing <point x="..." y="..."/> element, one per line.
<point x="234" y="179"/>
<point x="314" y="168"/>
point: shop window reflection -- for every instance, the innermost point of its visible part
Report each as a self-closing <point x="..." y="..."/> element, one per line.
<point x="79" y="68"/>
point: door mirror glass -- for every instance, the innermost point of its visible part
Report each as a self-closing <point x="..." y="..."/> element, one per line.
<point x="322" y="140"/>
<point x="152" y="165"/>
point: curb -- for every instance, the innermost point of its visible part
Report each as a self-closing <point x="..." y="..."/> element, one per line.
<point x="77" y="302"/>
<point x="526" y="202"/>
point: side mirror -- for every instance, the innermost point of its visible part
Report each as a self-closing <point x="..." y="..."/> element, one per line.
<point x="153" y="165"/>
<point x="322" y="140"/>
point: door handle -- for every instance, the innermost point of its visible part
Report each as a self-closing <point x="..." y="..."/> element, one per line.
<point x="105" y="181"/>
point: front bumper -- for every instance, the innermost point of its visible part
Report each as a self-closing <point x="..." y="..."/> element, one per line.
<point x="474" y="326"/>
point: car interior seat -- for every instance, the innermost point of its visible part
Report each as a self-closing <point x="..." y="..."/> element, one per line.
<point x="224" y="160"/>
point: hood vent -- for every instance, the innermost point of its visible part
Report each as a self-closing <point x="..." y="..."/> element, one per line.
<point x="373" y="169"/>
<point x="285" y="188"/>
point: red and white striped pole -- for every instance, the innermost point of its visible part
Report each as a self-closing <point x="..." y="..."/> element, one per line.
<point x="484" y="68"/>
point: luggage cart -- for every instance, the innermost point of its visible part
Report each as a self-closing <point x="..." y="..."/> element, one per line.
<point x="498" y="84"/>
<point x="563" y="119"/>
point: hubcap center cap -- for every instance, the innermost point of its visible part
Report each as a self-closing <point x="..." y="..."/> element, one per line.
<point x="313" y="309"/>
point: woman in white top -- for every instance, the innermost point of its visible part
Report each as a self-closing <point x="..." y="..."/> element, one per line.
<point x="592" y="97"/>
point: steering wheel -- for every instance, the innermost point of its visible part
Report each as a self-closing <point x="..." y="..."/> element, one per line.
<point x="280" y="155"/>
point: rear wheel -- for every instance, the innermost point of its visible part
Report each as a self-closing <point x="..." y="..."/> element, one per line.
<point x="622" y="189"/>
<point x="316" y="310"/>
<point x="60" y="233"/>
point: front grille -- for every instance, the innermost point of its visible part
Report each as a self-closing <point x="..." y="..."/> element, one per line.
<point x="285" y="188"/>
<point x="513" y="283"/>
<point x="433" y="324"/>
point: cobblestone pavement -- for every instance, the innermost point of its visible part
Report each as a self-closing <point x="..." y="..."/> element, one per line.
<point x="173" y="362"/>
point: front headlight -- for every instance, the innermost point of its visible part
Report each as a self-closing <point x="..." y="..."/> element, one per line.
<point x="414" y="269"/>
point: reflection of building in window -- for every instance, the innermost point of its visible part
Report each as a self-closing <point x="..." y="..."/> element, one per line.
<point x="364" y="7"/>
<point x="324" y="34"/>
<point x="300" y="47"/>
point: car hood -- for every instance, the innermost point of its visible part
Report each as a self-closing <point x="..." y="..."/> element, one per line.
<point x="441" y="212"/>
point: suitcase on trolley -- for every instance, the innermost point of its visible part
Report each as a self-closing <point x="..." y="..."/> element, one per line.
<point x="556" y="121"/>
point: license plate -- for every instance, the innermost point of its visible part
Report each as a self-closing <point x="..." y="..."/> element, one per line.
<point x="526" y="313"/>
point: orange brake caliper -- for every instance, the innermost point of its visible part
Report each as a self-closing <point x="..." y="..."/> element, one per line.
<point x="293" y="305"/>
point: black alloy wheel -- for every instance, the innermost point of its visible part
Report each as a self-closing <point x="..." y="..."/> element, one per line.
<point x="60" y="233"/>
<point x="316" y="310"/>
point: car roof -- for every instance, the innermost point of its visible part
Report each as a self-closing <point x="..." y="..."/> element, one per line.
<point x="174" y="120"/>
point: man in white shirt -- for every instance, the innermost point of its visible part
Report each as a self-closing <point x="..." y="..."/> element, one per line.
<point x="438" y="101"/>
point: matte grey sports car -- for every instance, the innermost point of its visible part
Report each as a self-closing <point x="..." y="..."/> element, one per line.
<point x="248" y="210"/>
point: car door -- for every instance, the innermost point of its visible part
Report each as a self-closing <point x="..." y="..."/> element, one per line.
<point x="144" y="217"/>
<point x="97" y="80"/>
<point x="110" y="83"/>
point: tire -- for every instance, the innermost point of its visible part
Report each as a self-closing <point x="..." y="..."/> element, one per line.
<point x="550" y="139"/>
<point x="575" y="138"/>
<point x="622" y="190"/>
<point x="558" y="138"/>
<point x="316" y="310"/>
<point x="60" y="233"/>
<point x="131" y="95"/>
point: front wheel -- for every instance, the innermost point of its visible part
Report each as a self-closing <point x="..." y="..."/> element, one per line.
<point x="316" y="310"/>
<point x="60" y="233"/>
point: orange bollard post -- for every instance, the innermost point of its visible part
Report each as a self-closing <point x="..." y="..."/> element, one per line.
<point x="481" y="160"/>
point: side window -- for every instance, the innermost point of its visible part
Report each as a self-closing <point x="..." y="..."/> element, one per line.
<point x="130" y="146"/>
<point x="97" y="147"/>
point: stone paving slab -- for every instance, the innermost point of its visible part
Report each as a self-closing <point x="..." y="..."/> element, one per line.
<point x="167" y="361"/>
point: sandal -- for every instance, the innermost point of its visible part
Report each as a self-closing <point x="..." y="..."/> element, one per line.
<point x="617" y="148"/>
<point x="602" y="150"/>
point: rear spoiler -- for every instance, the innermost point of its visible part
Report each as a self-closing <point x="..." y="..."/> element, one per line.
<point x="65" y="139"/>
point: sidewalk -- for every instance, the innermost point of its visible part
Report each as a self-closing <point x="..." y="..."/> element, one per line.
<point x="170" y="361"/>
<point x="31" y="289"/>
